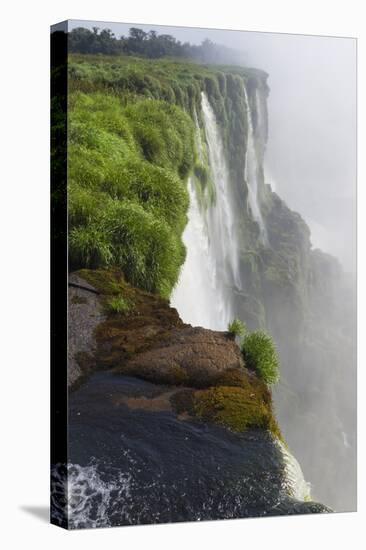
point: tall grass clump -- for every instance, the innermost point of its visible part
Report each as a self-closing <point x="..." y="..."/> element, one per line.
<point x="260" y="355"/>
<point x="89" y="247"/>
<point x="127" y="195"/>
<point x="165" y="134"/>
<point x="119" y="305"/>
<point x="131" y="148"/>
<point x="237" y="328"/>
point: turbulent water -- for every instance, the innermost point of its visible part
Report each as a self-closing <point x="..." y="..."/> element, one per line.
<point x="133" y="466"/>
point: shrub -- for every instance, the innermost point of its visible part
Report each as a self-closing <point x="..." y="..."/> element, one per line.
<point x="260" y="355"/>
<point x="237" y="328"/>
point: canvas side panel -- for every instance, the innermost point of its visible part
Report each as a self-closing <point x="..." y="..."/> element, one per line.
<point x="59" y="275"/>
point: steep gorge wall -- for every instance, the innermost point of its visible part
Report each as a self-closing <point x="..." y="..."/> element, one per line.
<point x="129" y="183"/>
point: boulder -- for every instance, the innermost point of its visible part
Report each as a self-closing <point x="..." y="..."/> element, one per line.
<point x="85" y="313"/>
<point x="189" y="355"/>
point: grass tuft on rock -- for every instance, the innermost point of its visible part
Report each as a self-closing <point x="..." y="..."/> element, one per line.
<point x="237" y="328"/>
<point x="119" y="305"/>
<point x="260" y="355"/>
<point x="127" y="192"/>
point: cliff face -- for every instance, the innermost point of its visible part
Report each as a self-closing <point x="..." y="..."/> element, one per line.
<point x="204" y="369"/>
<point x="177" y="427"/>
<point x="137" y="132"/>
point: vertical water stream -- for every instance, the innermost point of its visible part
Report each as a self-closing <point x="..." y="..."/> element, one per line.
<point x="204" y="293"/>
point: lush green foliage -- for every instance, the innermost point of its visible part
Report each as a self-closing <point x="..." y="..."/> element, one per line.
<point x="149" y="44"/>
<point x="127" y="191"/>
<point x="118" y="305"/>
<point x="237" y="328"/>
<point x="260" y="355"/>
<point x="134" y="127"/>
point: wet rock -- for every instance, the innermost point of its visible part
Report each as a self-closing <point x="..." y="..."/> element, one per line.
<point x="99" y="336"/>
<point x="194" y="356"/>
<point x="85" y="312"/>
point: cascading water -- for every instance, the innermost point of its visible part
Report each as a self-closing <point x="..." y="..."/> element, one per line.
<point x="295" y="482"/>
<point x="197" y="296"/>
<point x="198" y="135"/>
<point x="147" y="466"/>
<point x="221" y="217"/>
<point x="203" y="295"/>
<point x="251" y="168"/>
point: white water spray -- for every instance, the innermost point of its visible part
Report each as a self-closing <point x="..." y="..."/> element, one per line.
<point x="204" y="293"/>
<point x="295" y="484"/>
<point x="196" y="296"/>
<point x="221" y="216"/>
<point x="251" y="169"/>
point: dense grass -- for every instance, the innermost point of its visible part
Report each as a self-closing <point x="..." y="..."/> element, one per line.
<point x="119" y="305"/>
<point x="127" y="189"/>
<point x="260" y="355"/>
<point x="133" y="140"/>
<point x="237" y="328"/>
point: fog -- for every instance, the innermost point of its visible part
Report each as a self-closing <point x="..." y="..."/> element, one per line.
<point x="311" y="153"/>
<point x="311" y="162"/>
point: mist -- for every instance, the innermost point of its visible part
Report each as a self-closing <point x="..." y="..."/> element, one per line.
<point x="310" y="161"/>
<point x="311" y="152"/>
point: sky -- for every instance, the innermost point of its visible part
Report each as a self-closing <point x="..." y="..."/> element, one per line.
<point x="311" y="151"/>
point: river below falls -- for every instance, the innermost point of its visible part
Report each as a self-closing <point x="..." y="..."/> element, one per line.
<point x="135" y="466"/>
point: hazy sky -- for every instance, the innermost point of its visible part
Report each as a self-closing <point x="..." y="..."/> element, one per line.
<point x="311" y="153"/>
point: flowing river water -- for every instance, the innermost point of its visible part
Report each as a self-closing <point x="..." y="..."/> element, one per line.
<point x="129" y="466"/>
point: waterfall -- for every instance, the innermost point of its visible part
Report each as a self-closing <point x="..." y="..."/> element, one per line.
<point x="252" y="166"/>
<point x="294" y="480"/>
<point x="223" y="233"/>
<point x="196" y="296"/>
<point x="204" y="293"/>
<point x="198" y="135"/>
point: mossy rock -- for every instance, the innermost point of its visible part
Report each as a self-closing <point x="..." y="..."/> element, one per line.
<point x="117" y="296"/>
<point x="106" y="281"/>
<point x="239" y="401"/>
<point x="235" y="408"/>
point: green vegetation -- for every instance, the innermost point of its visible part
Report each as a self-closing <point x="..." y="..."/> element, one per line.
<point x="237" y="328"/>
<point x="118" y="305"/>
<point x="238" y="402"/>
<point x="107" y="282"/>
<point x="149" y="44"/>
<point x="260" y="355"/>
<point x="231" y="407"/>
<point x="133" y="131"/>
<point x="116" y="295"/>
<point x="127" y="193"/>
<point x="236" y="408"/>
